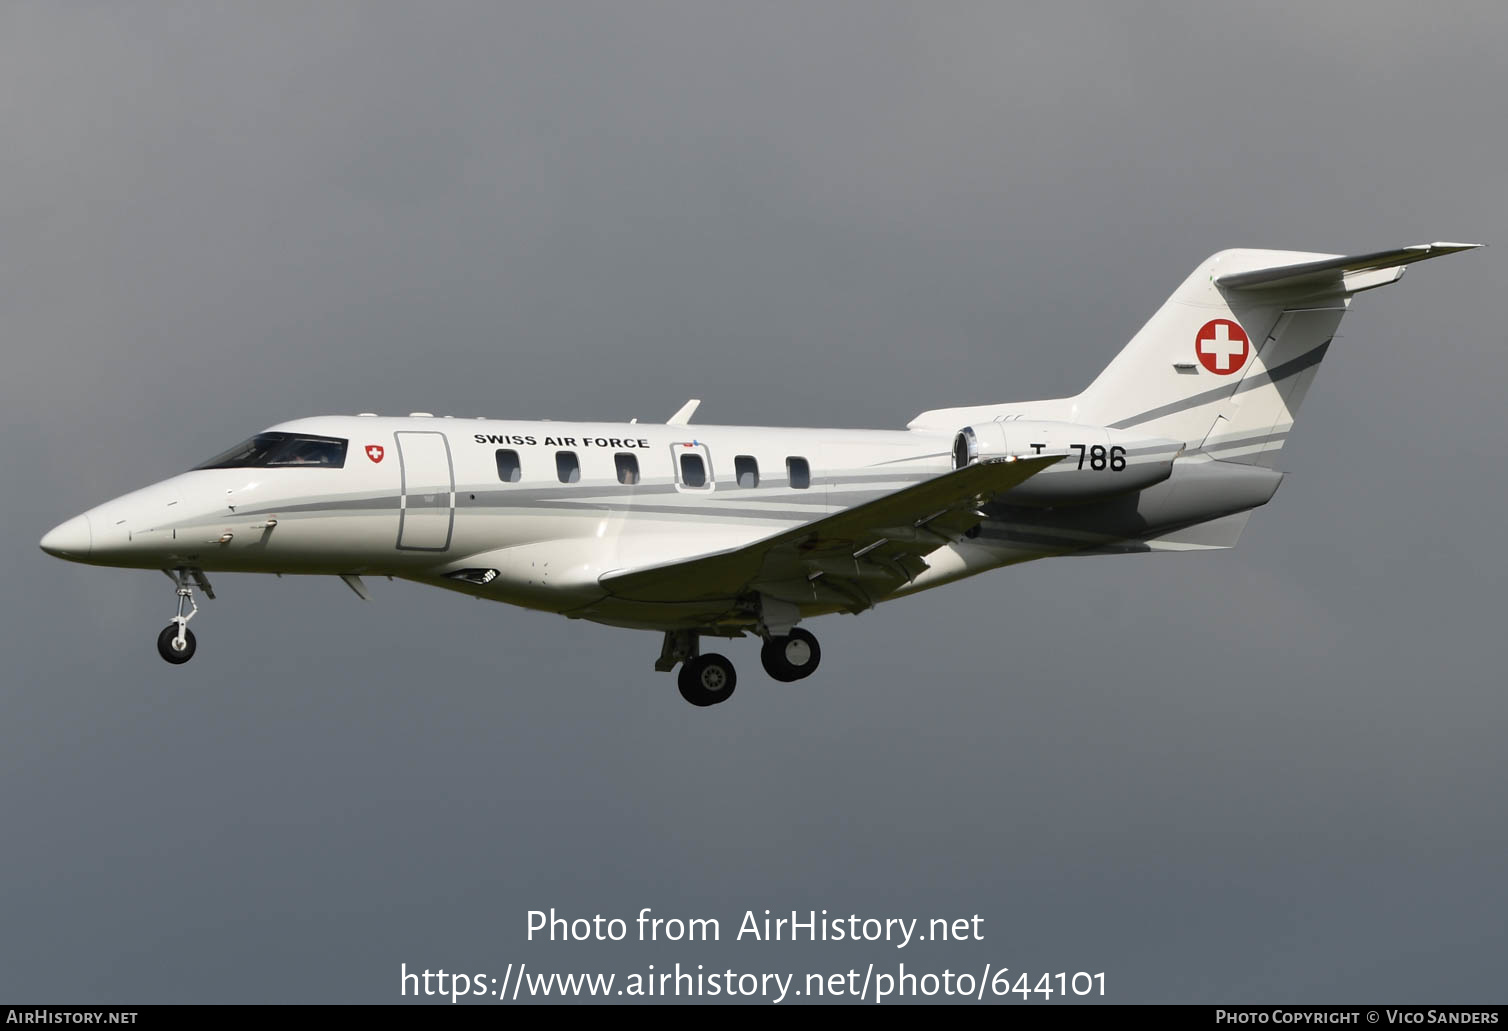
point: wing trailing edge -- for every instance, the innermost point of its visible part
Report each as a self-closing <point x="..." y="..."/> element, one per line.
<point x="851" y="558"/>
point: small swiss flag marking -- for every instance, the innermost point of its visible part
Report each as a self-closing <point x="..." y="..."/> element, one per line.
<point x="375" y="452"/>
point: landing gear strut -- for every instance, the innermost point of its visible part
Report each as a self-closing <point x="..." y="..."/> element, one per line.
<point x="176" y="643"/>
<point x="704" y="679"/>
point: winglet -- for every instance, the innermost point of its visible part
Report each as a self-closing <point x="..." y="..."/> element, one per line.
<point x="683" y="417"/>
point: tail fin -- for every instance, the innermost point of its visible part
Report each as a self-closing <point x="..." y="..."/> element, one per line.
<point x="1224" y="364"/>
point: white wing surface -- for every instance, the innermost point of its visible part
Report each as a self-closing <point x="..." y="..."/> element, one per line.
<point x="851" y="558"/>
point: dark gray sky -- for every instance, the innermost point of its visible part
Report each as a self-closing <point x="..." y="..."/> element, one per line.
<point x="1270" y="774"/>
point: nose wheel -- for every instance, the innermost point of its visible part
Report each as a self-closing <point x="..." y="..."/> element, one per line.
<point x="176" y="643"/>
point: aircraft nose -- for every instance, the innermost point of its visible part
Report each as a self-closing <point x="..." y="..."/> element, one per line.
<point x="69" y="540"/>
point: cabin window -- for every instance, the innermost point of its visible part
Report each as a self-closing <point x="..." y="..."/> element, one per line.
<point x="508" y="468"/>
<point x="747" y="469"/>
<point x="567" y="466"/>
<point x="693" y="471"/>
<point x="267" y="450"/>
<point x="628" y="468"/>
<point x="692" y="465"/>
<point x="799" y="472"/>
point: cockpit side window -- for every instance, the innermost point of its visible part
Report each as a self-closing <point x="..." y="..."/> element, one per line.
<point x="268" y="450"/>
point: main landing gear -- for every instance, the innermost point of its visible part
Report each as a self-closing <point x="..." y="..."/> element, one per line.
<point x="793" y="656"/>
<point x="176" y="643"/>
<point x="710" y="679"/>
<point x="706" y="680"/>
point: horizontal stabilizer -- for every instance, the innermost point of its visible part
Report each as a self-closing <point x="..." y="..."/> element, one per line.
<point x="1346" y="273"/>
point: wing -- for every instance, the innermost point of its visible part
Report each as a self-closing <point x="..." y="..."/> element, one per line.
<point x="851" y="558"/>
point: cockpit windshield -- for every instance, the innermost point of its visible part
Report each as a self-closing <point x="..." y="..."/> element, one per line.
<point x="282" y="449"/>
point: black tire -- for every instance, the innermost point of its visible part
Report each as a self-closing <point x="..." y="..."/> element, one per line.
<point x="707" y="680"/>
<point x="771" y="656"/>
<point x="792" y="657"/>
<point x="165" y="644"/>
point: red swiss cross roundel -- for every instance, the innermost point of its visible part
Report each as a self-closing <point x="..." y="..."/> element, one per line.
<point x="374" y="452"/>
<point x="1222" y="346"/>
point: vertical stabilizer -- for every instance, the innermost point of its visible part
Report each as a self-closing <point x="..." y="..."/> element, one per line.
<point x="1225" y="363"/>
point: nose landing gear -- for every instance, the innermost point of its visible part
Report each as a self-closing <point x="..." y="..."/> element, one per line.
<point x="176" y="643"/>
<point x="172" y="648"/>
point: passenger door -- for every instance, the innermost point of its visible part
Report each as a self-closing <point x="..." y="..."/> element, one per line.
<point x="427" y="504"/>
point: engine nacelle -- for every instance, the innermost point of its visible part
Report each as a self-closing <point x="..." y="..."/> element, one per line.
<point x="1098" y="462"/>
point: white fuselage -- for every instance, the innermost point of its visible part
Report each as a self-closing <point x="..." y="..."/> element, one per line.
<point x="537" y="513"/>
<point x="433" y="501"/>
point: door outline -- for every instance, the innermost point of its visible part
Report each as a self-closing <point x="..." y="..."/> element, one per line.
<point x="450" y="471"/>
<point x="694" y="447"/>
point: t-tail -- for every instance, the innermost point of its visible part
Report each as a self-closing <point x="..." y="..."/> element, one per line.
<point x="1224" y="365"/>
<point x="1222" y="369"/>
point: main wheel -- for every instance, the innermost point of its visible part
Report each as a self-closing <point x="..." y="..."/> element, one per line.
<point x="791" y="657"/>
<point x="707" y="680"/>
<point x="167" y="642"/>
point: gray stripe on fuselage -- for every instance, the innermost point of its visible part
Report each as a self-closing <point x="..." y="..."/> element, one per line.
<point x="1239" y="442"/>
<point x="352" y="503"/>
<point x="610" y="492"/>
<point x="564" y="508"/>
<point x="500" y="501"/>
<point x="840" y="479"/>
<point x="1292" y="367"/>
<point x="913" y="458"/>
<point x="729" y="512"/>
